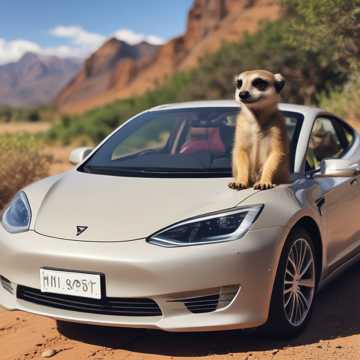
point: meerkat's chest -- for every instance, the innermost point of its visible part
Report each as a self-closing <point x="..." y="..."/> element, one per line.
<point x="257" y="144"/>
<point x="263" y="149"/>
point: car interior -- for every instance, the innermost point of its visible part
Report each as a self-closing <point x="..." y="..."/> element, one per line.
<point x="189" y="140"/>
<point x="330" y="139"/>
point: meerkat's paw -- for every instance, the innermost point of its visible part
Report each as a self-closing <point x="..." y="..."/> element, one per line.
<point x="235" y="185"/>
<point x="263" y="185"/>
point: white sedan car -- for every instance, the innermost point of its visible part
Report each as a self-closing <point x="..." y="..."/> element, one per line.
<point x="145" y="232"/>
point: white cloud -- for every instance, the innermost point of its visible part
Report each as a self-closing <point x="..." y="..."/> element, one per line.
<point x="79" y="43"/>
<point x="13" y="50"/>
<point x="133" y="38"/>
<point x="78" y="36"/>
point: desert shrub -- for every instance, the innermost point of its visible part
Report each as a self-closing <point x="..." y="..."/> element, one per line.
<point x="345" y="101"/>
<point x="21" y="162"/>
<point x="6" y="114"/>
<point x="34" y="116"/>
<point x="27" y="114"/>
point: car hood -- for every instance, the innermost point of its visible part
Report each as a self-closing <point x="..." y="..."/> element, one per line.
<point x="127" y="208"/>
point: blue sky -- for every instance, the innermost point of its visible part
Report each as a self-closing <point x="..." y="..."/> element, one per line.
<point x="77" y="27"/>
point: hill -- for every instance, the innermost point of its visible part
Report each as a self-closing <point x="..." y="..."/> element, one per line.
<point x="210" y="23"/>
<point x="109" y="68"/>
<point x="34" y="79"/>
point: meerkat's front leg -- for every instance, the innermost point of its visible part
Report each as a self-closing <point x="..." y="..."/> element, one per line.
<point x="240" y="166"/>
<point x="271" y="167"/>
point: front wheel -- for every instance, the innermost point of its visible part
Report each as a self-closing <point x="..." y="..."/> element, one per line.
<point x="295" y="287"/>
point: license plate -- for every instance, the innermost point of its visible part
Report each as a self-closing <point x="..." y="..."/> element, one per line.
<point x="70" y="283"/>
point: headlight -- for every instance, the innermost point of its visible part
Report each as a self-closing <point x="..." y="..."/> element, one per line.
<point x="17" y="216"/>
<point x="216" y="227"/>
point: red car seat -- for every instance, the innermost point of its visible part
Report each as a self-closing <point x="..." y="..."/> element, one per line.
<point x="203" y="139"/>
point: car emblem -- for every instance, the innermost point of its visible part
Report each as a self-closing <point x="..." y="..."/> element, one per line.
<point x="80" y="230"/>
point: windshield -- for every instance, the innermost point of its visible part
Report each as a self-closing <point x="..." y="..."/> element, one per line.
<point x="174" y="143"/>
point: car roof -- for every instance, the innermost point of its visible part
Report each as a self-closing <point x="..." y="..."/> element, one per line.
<point x="308" y="111"/>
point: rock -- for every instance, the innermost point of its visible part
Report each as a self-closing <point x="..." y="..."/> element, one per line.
<point x="48" y="353"/>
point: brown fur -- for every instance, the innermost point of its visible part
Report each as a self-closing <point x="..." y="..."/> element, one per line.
<point x="261" y="149"/>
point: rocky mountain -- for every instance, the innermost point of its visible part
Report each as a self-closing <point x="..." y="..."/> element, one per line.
<point x="109" y="68"/>
<point x="35" y="79"/>
<point x="114" y="71"/>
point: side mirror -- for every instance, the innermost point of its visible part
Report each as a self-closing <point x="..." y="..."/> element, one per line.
<point x="79" y="154"/>
<point x="338" y="168"/>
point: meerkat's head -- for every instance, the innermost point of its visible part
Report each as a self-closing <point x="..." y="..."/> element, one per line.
<point x="258" y="89"/>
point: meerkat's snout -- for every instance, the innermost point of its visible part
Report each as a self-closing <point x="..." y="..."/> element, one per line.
<point x="258" y="88"/>
<point x="244" y="95"/>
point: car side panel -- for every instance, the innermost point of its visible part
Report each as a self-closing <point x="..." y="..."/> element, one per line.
<point x="340" y="210"/>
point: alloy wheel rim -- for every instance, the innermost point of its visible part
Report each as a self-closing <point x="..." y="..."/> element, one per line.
<point x="299" y="282"/>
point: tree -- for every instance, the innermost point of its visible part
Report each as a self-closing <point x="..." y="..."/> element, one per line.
<point x="306" y="71"/>
<point x="330" y="27"/>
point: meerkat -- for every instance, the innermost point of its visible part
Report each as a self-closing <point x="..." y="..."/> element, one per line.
<point x="260" y="155"/>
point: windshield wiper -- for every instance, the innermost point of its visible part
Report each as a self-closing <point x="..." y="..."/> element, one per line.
<point x="155" y="172"/>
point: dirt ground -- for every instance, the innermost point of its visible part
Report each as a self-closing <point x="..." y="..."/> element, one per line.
<point x="333" y="333"/>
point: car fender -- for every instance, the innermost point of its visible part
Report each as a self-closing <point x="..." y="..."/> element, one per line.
<point x="285" y="206"/>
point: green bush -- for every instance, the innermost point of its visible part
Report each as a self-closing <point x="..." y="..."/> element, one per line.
<point x="24" y="114"/>
<point x="330" y="27"/>
<point x="305" y="71"/>
<point x="345" y="101"/>
<point x="21" y="162"/>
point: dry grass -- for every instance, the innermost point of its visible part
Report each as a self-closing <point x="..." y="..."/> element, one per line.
<point x="23" y="127"/>
<point x="21" y="162"/>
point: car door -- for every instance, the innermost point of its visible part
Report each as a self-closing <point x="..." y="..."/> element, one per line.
<point x="340" y="200"/>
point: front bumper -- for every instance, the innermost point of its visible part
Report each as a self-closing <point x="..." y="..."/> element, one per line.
<point x="136" y="269"/>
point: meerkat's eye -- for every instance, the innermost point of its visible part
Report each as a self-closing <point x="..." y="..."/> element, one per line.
<point x="238" y="83"/>
<point x="260" y="84"/>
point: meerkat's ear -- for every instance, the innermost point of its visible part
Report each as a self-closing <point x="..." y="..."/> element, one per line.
<point x="279" y="82"/>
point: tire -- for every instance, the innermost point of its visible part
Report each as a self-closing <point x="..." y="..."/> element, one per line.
<point x="293" y="296"/>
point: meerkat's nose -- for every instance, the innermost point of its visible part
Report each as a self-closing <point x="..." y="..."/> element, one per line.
<point x="244" y="95"/>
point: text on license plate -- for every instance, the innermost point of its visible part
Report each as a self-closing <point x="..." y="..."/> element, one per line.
<point x="70" y="283"/>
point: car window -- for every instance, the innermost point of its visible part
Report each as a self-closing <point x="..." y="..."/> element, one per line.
<point x="177" y="141"/>
<point x="329" y="139"/>
<point x="153" y="135"/>
<point x="345" y="133"/>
